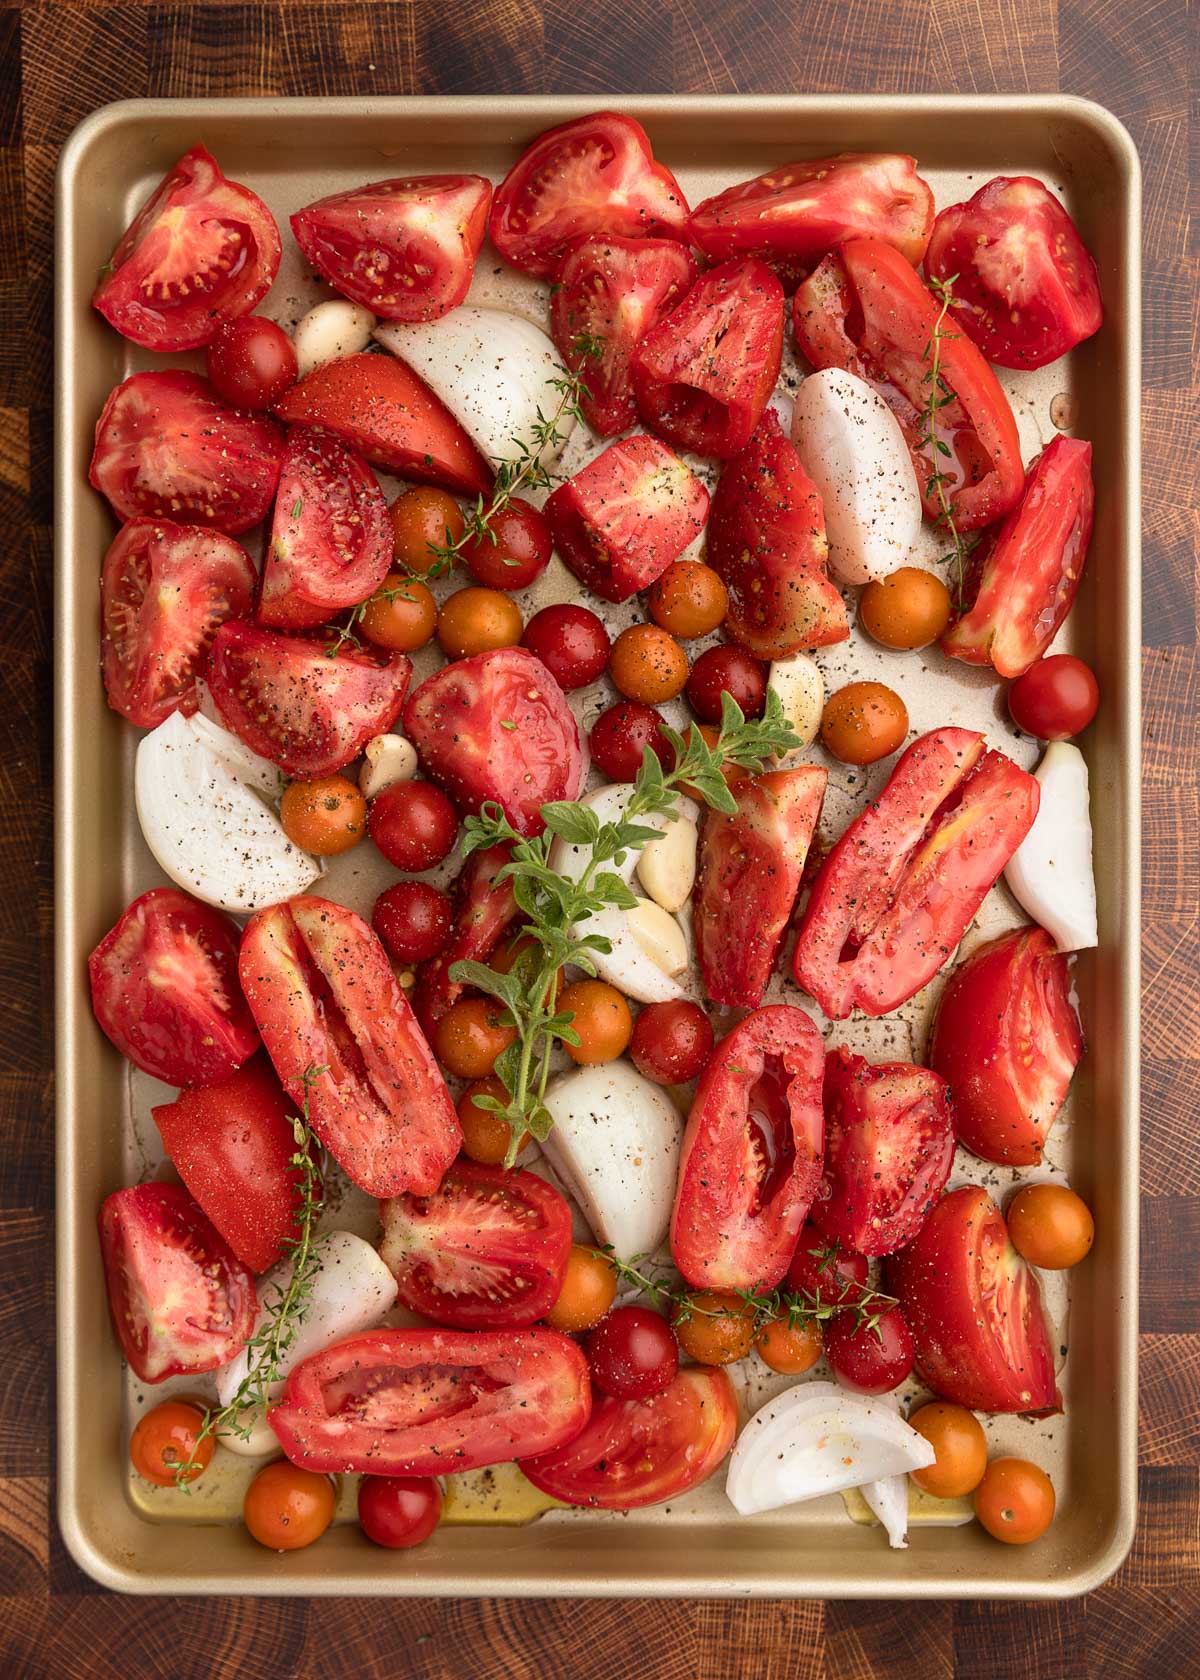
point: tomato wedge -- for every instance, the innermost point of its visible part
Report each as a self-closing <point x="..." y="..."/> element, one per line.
<point x="405" y="248"/>
<point x="1007" y="1037"/>
<point x="596" y="174"/>
<point x="903" y="884"/>
<point x="169" y="448"/>
<point x="343" y="1039"/>
<point x="642" y="1452"/>
<point x="164" y="591"/>
<point x="165" y="990"/>
<point x="484" y="908"/>
<point x="975" y="1310"/>
<point x="751" y="1159"/>
<point x="181" y="1300"/>
<point x="751" y="862"/>
<point x="428" y="1402"/>
<point x="385" y="412"/>
<point x="201" y="250"/>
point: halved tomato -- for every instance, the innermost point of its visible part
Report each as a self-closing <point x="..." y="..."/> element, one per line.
<point x="405" y="248"/>
<point x="331" y="539"/>
<point x="486" y="1251"/>
<point x="484" y="907"/>
<point x="164" y="591"/>
<point x="497" y="727"/>
<point x="290" y="701"/>
<point x="975" y="1309"/>
<point x="344" y="1041"/>
<point x="201" y="250"/>
<point x="165" y="990"/>
<point x="595" y="174"/>
<point x="428" y="1402"/>
<point x="181" y="1300"/>
<point x="642" y="1452"/>
<point x="168" y="447"/>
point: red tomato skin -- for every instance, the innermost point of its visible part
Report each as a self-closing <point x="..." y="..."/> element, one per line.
<point x="484" y="909"/>
<point x="1026" y="286"/>
<point x="726" y="668"/>
<point x="571" y="643"/>
<point x="907" y="877"/>
<point x="767" y="543"/>
<point x="1057" y="697"/>
<point x="403" y="248"/>
<point x="889" y="1147"/>
<point x="181" y="1301"/>
<point x="622" y="733"/>
<point x="740" y="1203"/>
<point x="414" y="825"/>
<point x="1024" y="580"/>
<point x="251" y="362"/>
<point x="702" y="376"/>
<point x="165" y="992"/>
<point x="1007" y="1039"/>
<point x="195" y="198"/>
<point x="593" y="175"/>
<point x="671" y="1042"/>
<point x="642" y="1452"/>
<point x="494" y="1395"/>
<point x="413" y="920"/>
<point x="823" y="1270"/>
<point x="632" y="1353"/>
<point x="165" y="589"/>
<point x="975" y="1310"/>
<point x="865" y="310"/>
<point x="520" y="553"/>
<point x="232" y="1145"/>
<point x="750" y="865"/>
<point x="315" y="977"/>
<point x="869" y="1361"/>
<point x="622" y="519"/>
<point x="399" y="1511"/>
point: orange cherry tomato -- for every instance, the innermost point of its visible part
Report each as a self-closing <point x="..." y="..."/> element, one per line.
<point x="790" y="1348"/>
<point x="477" y="620"/>
<point x="1050" y="1225"/>
<point x="401" y="615"/>
<point x="714" y="1328"/>
<point x="485" y="1135"/>
<point x="325" y="816"/>
<point x="602" y="1020"/>
<point x="424" y="519"/>
<point x="907" y="609"/>
<point x="863" y="722"/>
<point x="589" y="1290"/>
<point x="1015" y="1501"/>
<point x="956" y="1436"/>
<point x="286" y="1508"/>
<point x="647" y="664"/>
<point x="508" y="953"/>
<point x="689" y="599"/>
<point x="167" y="1437"/>
<point x="470" y="1035"/>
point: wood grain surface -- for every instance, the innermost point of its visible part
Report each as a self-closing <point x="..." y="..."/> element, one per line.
<point x="60" y="61"/>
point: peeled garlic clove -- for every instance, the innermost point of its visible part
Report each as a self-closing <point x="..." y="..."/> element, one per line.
<point x="801" y="690"/>
<point x="331" y="330"/>
<point x="659" y="935"/>
<point x="387" y="759"/>
<point x="666" y="867"/>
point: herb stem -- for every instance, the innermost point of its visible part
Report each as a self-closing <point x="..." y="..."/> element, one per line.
<point x="940" y="396"/>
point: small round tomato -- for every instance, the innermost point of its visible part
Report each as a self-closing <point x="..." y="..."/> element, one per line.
<point x="510" y="950"/>
<point x="571" y="643"/>
<point x="870" y="1359"/>
<point x="476" y="621"/>
<point x="286" y="1508"/>
<point x="956" y="1436"/>
<point x="401" y="615"/>
<point x="520" y="552"/>
<point x="863" y="722"/>
<point x="414" y="825"/>
<point x="733" y="773"/>
<point x="824" y="1271"/>
<point x="621" y="734"/>
<point x="251" y="362"/>
<point x="689" y="599"/>
<point x="714" y="1328"/>
<point x="1015" y="1501"/>
<point x="485" y="1135"/>
<point x="907" y="609"/>
<point x="424" y="519"/>
<point x="398" y="1511"/>
<point x="601" y="1019"/>
<point x="727" y="670"/>
<point x="589" y="1290"/>
<point x="1050" y="1226"/>
<point x="413" y="920"/>
<point x="470" y="1035"/>
<point x="1055" y="698"/>
<point x="632" y="1353"/>
<point x="326" y="816"/>
<point x="167" y="1437"/>
<point x="647" y="664"/>
<point x="671" y="1042"/>
<point x="790" y="1349"/>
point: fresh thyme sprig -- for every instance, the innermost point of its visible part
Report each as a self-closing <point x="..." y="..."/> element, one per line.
<point x="940" y="396"/>
<point x="347" y="630"/>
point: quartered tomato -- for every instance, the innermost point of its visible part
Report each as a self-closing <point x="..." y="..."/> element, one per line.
<point x="181" y="1300"/>
<point x="201" y="250"/>
<point x="484" y="907"/>
<point x="1024" y="579"/>
<point x="1007" y="1038"/>
<point x="610" y="292"/>
<point x="889" y="1147"/>
<point x="331" y="538"/>
<point x="751" y="1157"/>
<point x="165" y="990"/>
<point x="642" y="1452"/>
<point x="900" y="888"/>
<point x="702" y="376"/>
<point x="766" y="541"/>
<point x="168" y="447"/>
<point x="1025" y="285"/>
<point x="975" y="1309"/>
<point x="289" y="701"/>
<point x="164" y="590"/>
<point x="622" y="519"/>
<point x="497" y="727"/>
<point x="865" y="310"/>
<point x="405" y="249"/>
<point x="486" y="1251"/>
<point x="427" y="1402"/>
<point x="751" y="861"/>
<point x="342" y="1037"/>
<point x="594" y="175"/>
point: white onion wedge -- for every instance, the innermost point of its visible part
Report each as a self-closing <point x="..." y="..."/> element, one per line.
<point x="888" y="1498"/>
<point x="1050" y="873"/>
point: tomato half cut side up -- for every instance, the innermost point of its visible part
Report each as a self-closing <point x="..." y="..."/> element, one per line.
<point x="201" y="250"/>
<point x="752" y="1150"/>
<point x="484" y="907"/>
<point x="429" y="1402"/>
<point x="324" y="996"/>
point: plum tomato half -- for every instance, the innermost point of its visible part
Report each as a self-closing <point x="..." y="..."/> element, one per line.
<point x="632" y="1353"/>
<point x="727" y="670"/>
<point x="1015" y="1501"/>
<point x="621" y="734"/>
<point x="648" y="664"/>
<point x="414" y="824"/>
<point x="326" y="816"/>
<point x="588" y="1291"/>
<point x="824" y="1271"/>
<point x="399" y="1511"/>
<point x="1055" y="698"/>
<point x="1050" y="1226"/>
<point x="520" y="551"/>
<point x="869" y="1358"/>
<point x="167" y="1437"/>
<point x="863" y="722"/>
<point x="571" y="643"/>
<point x="287" y="1508"/>
<point x="413" y="919"/>
<point x="671" y="1042"/>
<point x="251" y="362"/>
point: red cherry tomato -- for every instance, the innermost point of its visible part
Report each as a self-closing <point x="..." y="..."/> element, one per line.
<point x="633" y="1353"/>
<point x="730" y="669"/>
<point x="399" y="1511"/>
<point x="671" y="1042"/>
<point x="571" y="643"/>
<point x="413" y="919"/>
<point x="824" y="1270"/>
<point x="520" y="553"/>
<point x="619" y="736"/>
<point x="414" y="825"/>
<point x="1055" y="698"/>
<point x="251" y="362"/>
<point x="869" y="1360"/>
